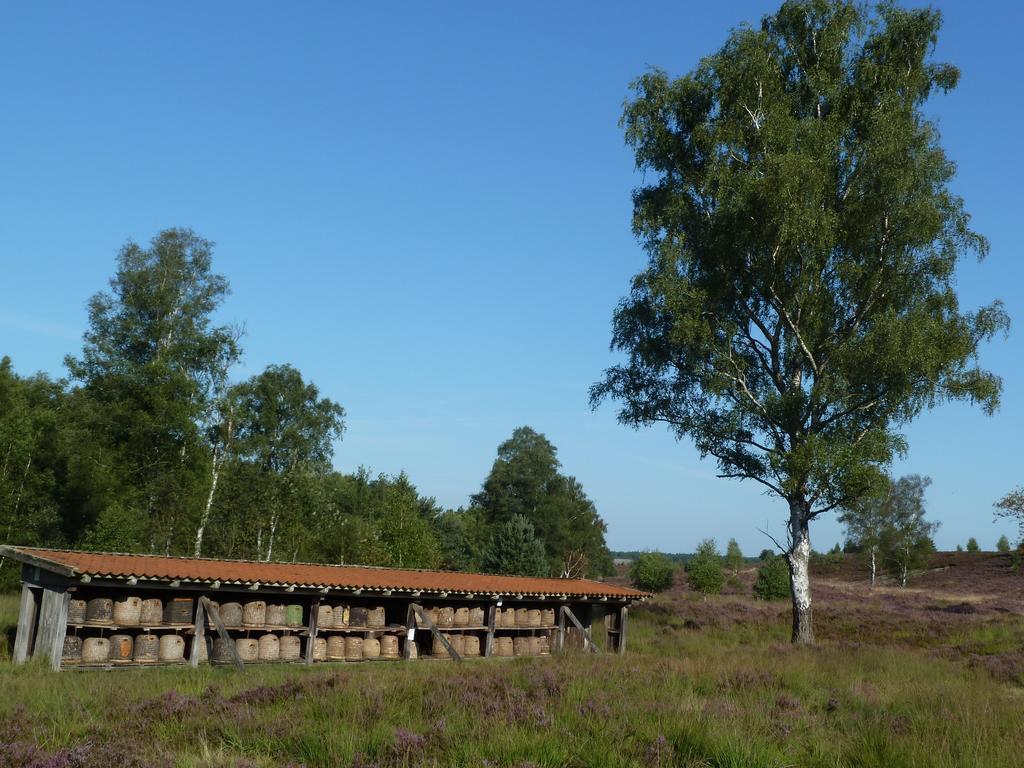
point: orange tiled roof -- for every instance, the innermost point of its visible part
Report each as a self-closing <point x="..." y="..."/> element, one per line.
<point x="307" y="575"/>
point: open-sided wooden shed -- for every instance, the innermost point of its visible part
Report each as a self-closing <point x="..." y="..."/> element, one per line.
<point x="419" y="613"/>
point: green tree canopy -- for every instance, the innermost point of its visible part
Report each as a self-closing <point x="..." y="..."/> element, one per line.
<point x="286" y="432"/>
<point x="906" y="539"/>
<point x="151" y="356"/>
<point x="865" y="521"/>
<point x="733" y="556"/>
<point x="525" y="481"/>
<point x="798" y="307"/>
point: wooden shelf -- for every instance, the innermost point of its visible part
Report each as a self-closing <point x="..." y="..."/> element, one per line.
<point x="263" y="628"/>
<point x="121" y="664"/>
<point x="524" y="629"/>
<point x="395" y="629"/>
<point x="143" y="627"/>
<point x="453" y="629"/>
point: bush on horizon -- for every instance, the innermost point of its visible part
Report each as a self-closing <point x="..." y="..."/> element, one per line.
<point x="652" y="572"/>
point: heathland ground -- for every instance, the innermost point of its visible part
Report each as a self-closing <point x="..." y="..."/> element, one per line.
<point x="930" y="675"/>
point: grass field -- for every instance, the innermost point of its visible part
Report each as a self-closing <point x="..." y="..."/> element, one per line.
<point x="923" y="677"/>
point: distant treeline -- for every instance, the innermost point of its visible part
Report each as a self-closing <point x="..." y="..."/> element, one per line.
<point x="675" y="557"/>
<point x="150" y="445"/>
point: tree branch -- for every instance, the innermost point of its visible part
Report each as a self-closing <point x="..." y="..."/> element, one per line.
<point x="782" y="549"/>
<point x="747" y="476"/>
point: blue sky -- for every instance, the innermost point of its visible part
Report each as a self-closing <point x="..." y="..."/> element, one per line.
<point x="425" y="208"/>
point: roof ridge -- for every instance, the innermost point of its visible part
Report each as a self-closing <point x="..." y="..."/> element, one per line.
<point x="316" y="565"/>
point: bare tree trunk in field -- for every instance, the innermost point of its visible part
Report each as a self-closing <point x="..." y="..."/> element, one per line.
<point x="799" y="559"/>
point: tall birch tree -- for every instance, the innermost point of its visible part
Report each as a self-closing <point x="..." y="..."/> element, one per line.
<point x="286" y="431"/>
<point x="798" y="307"/>
<point x="150" y="363"/>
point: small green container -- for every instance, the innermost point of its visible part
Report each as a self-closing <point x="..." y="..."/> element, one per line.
<point x="293" y="615"/>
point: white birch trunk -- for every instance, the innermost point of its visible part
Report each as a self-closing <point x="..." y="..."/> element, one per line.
<point x="799" y="559"/>
<point x="270" y="538"/>
<point x="205" y="518"/>
<point x="206" y="510"/>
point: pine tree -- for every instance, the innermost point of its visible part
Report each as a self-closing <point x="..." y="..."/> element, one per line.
<point x="515" y="549"/>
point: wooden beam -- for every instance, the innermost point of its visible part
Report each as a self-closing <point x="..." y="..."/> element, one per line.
<point x="27" y="613"/>
<point x="410" y="633"/>
<point x="623" y="614"/>
<point x="314" y="618"/>
<point x="214" y="613"/>
<point x="40" y="562"/>
<point x="587" y="641"/>
<point x="492" y="619"/>
<point x="53" y="624"/>
<point x="436" y="633"/>
<point x="198" y="633"/>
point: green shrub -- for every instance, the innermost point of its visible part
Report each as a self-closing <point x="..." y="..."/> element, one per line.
<point x="772" y="580"/>
<point x="704" y="571"/>
<point x="652" y="572"/>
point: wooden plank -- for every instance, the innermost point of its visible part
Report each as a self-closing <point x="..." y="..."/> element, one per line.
<point x="214" y="613"/>
<point x="314" y="618"/>
<point x="198" y="633"/>
<point x="436" y="633"/>
<point x="623" y="614"/>
<point x="492" y="619"/>
<point x="27" y="613"/>
<point x="53" y="622"/>
<point x="587" y="641"/>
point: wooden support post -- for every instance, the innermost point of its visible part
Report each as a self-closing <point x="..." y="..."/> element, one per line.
<point x="436" y="633"/>
<point x="214" y="612"/>
<point x="314" y="618"/>
<point x="492" y="620"/>
<point x="410" y="633"/>
<point x="623" y="614"/>
<point x="587" y="640"/>
<point x="53" y="624"/>
<point x="26" y="625"/>
<point x="198" y="634"/>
